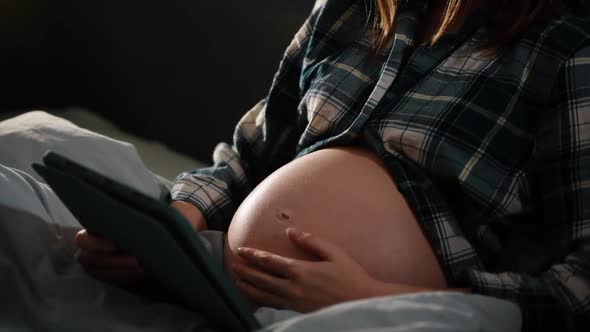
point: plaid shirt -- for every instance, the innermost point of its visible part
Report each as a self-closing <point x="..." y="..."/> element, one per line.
<point x="491" y="152"/>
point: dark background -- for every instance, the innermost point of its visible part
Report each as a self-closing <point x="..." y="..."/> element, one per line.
<point x="179" y="71"/>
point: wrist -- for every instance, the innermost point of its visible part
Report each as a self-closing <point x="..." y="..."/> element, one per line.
<point x="192" y="214"/>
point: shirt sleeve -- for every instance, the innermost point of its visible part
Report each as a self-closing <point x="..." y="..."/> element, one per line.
<point x="559" y="298"/>
<point x="264" y="139"/>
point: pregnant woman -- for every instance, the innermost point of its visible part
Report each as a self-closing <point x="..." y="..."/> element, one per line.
<point x="409" y="146"/>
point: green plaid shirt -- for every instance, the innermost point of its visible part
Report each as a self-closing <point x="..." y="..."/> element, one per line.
<point x="491" y="152"/>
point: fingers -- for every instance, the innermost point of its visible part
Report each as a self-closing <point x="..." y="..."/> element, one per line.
<point x="92" y="243"/>
<point x="112" y="268"/>
<point x="313" y="244"/>
<point x="271" y="263"/>
<point x="262" y="281"/>
<point x="259" y="296"/>
<point x="101" y="259"/>
<point x="88" y="258"/>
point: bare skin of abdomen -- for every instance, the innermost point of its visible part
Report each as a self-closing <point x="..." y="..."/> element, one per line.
<point x="345" y="196"/>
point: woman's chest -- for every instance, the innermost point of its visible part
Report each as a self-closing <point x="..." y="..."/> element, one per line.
<point x="437" y="109"/>
<point x="460" y="115"/>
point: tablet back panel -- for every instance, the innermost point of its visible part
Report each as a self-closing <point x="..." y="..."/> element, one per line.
<point x="140" y="235"/>
<point x="171" y="219"/>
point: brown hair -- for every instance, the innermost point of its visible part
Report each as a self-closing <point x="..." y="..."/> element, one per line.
<point x="509" y="18"/>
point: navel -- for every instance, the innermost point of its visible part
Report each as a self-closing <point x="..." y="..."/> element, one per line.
<point x="283" y="217"/>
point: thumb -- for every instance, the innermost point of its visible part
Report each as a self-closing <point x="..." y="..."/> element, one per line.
<point x="313" y="244"/>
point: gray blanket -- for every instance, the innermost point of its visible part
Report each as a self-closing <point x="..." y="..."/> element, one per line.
<point x="43" y="288"/>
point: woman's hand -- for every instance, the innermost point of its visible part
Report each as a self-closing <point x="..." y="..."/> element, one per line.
<point x="101" y="259"/>
<point x="272" y="280"/>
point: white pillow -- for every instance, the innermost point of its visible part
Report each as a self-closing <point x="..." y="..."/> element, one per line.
<point x="25" y="139"/>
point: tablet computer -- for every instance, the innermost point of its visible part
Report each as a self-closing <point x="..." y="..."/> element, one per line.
<point x="158" y="235"/>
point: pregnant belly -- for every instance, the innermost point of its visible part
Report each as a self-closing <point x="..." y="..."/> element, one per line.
<point x="347" y="197"/>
